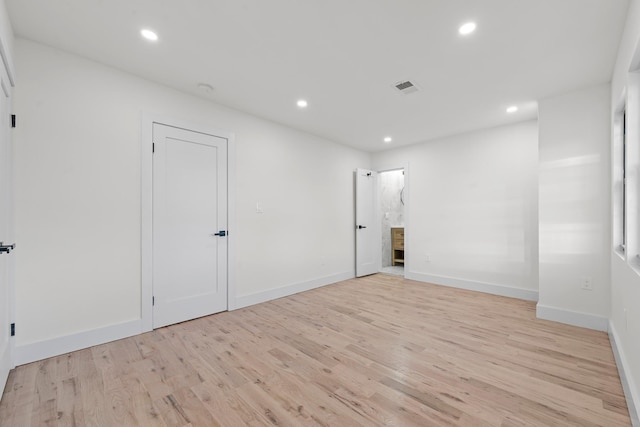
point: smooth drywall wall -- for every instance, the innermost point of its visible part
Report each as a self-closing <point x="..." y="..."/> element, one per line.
<point x="627" y="58"/>
<point x="574" y="202"/>
<point x="625" y="280"/>
<point x="78" y="193"/>
<point x="472" y="209"/>
<point x="6" y="36"/>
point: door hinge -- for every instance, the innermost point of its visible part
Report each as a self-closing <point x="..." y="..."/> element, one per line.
<point x="13" y="329"/>
<point x="13" y="120"/>
<point x="153" y="301"/>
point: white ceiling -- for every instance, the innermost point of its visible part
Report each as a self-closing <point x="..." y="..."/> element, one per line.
<point x="344" y="56"/>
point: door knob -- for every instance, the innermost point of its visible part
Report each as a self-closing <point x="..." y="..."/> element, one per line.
<point x="360" y="227"/>
<point x="6" y="248"/>
<point x="220" y="233"/>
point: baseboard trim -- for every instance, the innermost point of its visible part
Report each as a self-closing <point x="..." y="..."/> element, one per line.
<point x="630" y="392"/>
<point x="284" y="291"/>
<point x="488" y="288"/>
<point x="575" y="318"/>
<point x="32" y="352"/>
<point x="40" y="350"/>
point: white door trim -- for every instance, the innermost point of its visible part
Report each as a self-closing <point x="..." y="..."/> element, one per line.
<point x="146" y="209"/>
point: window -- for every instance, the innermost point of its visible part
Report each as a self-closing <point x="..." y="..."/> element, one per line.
<point x="621" y="189"/>
<point x="625" y="166"/>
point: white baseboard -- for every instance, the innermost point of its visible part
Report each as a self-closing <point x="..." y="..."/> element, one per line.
<point x="27" y="353"/>
<point x="629" y="387"/>
<point x="271" y="294"/>
<point x="488" y="288"/>
<point x="575" y="318"/>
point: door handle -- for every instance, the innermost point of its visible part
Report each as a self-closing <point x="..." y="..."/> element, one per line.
<point x="6" y="248"/>
<point x="220" y="233"/>
<point x="360" y="227"/>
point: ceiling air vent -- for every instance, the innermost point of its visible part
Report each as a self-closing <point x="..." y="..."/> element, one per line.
<point x="406" y="87"/>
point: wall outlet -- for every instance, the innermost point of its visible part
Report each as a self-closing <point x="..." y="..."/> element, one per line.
<point x="586" y="284"/>
<point x="259" y="208"/>
<point x="427" y="258"/>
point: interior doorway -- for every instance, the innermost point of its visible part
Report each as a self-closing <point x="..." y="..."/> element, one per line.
<point x="392" y="221"/>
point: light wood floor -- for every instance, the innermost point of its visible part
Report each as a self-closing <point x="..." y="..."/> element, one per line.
<point x="375" y="351"/>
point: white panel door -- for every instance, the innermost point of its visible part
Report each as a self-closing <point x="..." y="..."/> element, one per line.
<point x="6" y="233"/>
<point x="368" y="244"/>
<point x="189" y="225"/>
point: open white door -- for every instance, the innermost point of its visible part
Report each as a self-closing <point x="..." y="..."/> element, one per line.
<point x="6" y="233"/>
<point x="368" y="245"/>
<point x="189" y="225"/>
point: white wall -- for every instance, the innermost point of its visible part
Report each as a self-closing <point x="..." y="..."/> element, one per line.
<point x="473" y="209"/>
<point x="625" y="275"/>
<point x="78" y="195"/>
<point x="6" y="35"/>
<point x="574" y="210"/>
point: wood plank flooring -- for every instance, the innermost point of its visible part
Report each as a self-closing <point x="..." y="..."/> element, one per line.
<point x="374" y="351"/>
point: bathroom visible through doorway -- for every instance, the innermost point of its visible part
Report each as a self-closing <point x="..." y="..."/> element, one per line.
<point x="392" y="221"/>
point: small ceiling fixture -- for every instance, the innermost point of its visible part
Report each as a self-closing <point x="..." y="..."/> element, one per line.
<point x="205" y="88"/>
<point x="512" y="109"/>
<point x="387" y="139"/>
<point x="467" y="28"/>
<point x="149" y="35"/>
<point x="302" y="103"/>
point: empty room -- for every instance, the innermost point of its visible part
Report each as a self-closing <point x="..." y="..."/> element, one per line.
<point x="417" y="213"/>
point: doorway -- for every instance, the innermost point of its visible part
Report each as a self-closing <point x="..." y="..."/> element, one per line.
<point x="392" y="221"/>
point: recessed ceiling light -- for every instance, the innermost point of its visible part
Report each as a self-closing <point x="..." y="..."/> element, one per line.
<point x="467" y="28"/>
<point x="387" y="139"/>
<point x="149" y="35"/>
<point x="302" y="103"/>
<point x="512" y="109"/>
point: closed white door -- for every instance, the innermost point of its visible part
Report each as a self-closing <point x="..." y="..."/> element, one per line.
<point x="6" y="234"/>
<point x="189" y="225"/>
<point x="368" y="244"/>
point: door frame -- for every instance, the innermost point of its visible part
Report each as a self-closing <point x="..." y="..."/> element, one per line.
<point x="394" y="166"/>
<point x="146" y="209"/>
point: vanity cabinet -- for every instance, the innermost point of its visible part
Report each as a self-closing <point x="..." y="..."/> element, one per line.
<point x="397" y="245"/>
